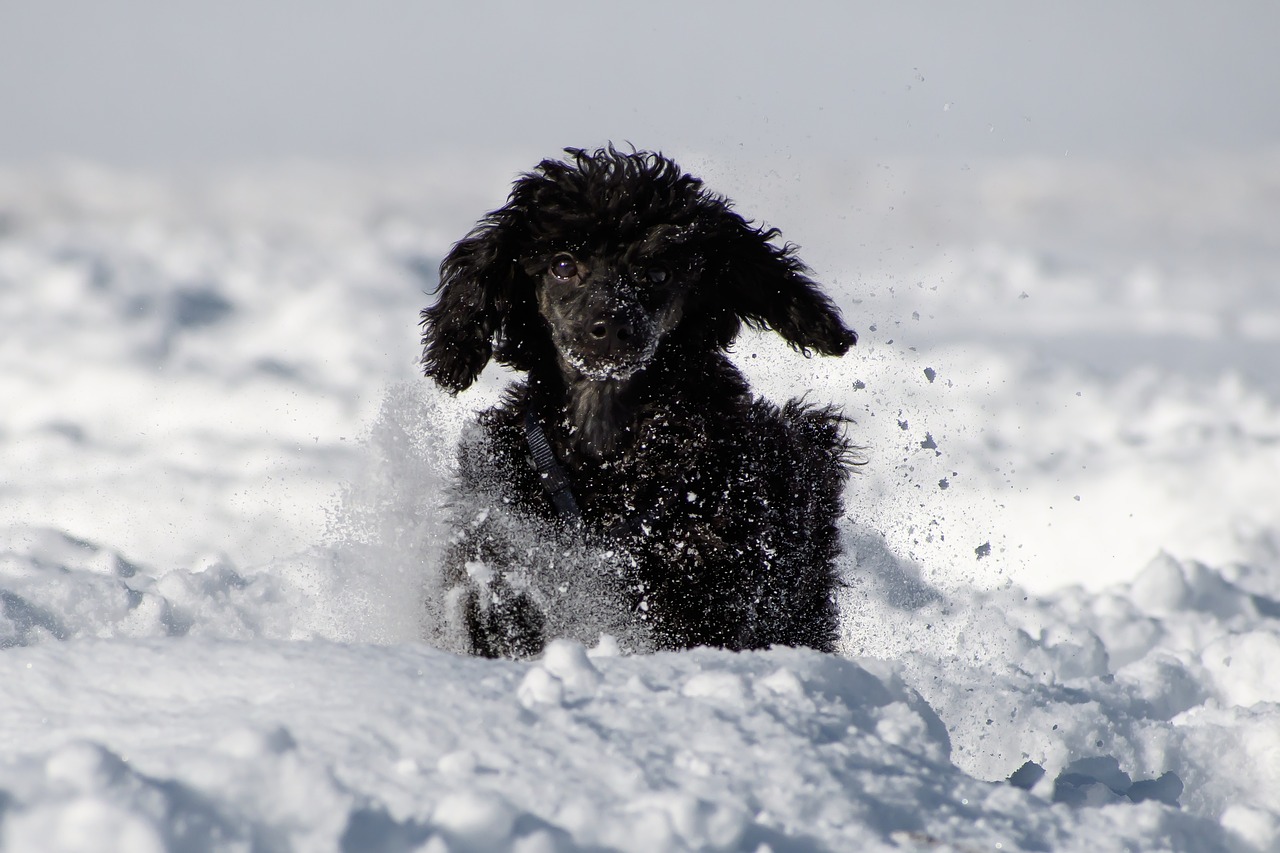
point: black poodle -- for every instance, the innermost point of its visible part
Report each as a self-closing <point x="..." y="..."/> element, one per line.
<point x="632" y="485"/>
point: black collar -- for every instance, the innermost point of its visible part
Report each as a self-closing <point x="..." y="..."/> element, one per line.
<point x="550" y="472"/>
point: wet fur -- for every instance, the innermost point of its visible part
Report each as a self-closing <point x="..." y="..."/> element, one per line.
<point x="616" y="281"/>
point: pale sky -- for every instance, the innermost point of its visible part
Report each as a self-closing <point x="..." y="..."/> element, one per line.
<point x="153" y="82"/>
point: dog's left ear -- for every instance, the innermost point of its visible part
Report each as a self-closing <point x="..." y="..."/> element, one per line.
<point x="767" y="286"/>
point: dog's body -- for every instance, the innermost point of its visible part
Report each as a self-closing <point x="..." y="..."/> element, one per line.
<point x="668" y="507"/>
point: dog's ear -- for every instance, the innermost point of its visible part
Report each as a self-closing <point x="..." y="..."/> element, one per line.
<point x="476" y="281"/>
<point x="768" y="287"/>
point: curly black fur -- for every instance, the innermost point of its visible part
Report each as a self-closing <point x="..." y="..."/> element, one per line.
<point x="616" y="281"/>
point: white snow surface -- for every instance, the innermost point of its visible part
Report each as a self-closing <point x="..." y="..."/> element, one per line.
<point x="221" y="485"/>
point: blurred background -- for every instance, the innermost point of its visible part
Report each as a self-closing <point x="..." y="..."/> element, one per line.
<point x="863" y="129"/>
<point x="147" y="83"/>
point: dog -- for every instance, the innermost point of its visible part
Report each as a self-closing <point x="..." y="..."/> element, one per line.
<point x="631" y="484"/>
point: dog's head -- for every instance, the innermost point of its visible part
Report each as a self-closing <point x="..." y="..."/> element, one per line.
<point x="599" y="261"/>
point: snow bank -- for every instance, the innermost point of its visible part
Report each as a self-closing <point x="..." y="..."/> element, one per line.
<point x="322" y="746"/>
<point x="220" y="486"/>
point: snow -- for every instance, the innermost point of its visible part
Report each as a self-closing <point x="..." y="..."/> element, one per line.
<point x="220" y="484"/>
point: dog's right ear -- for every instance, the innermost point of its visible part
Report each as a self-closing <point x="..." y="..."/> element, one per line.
<point x="476" y="279"/>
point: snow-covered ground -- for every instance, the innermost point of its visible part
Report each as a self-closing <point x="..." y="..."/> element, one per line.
<point x="219" y="489"/>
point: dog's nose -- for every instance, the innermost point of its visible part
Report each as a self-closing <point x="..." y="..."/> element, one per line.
<point x="610" y="330"/>
<point x="611" y="335"/>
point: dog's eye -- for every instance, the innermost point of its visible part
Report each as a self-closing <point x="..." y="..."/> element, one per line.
<point x="564" y="267"/>
<point x="658" y="274"/>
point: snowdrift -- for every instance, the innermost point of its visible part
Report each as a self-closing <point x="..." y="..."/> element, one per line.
<point x="220" y="485"/>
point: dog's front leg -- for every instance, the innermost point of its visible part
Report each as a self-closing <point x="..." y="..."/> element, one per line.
<point x="489" y="609"/>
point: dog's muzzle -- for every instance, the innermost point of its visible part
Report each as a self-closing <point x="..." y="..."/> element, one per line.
<point x="613" y="345"/>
